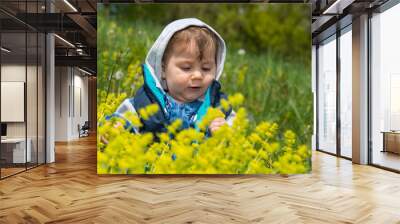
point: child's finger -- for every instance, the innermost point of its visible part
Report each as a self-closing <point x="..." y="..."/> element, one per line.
<point x="213" y="129"/>
<point x="213" y="125"/>
<point x="218" y="121"/>
<point x="103" y="140"/>
<point x="216" y="124"/>
<point x="117" y="124"/>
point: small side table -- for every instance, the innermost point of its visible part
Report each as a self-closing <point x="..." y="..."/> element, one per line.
<point x="391" y="141"/>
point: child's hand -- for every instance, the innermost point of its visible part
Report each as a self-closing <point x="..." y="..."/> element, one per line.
<point x="103" y="139"/>
<point x="117" y="124"/>
<point x="216" y="124"/>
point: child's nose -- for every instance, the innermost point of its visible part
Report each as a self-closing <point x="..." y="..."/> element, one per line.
<point x="197" y="74"/>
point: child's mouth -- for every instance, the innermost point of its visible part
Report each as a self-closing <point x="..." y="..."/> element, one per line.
<point x="194" y="87"/>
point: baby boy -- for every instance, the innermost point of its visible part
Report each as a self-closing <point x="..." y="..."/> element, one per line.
<point x="181" y="74"/>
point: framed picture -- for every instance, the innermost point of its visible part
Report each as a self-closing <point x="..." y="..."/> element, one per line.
<point x="204" y="89"/>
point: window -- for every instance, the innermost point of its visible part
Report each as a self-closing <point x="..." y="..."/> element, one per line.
<point x="346" y="92"/>
<point x="22" y="76"/>
<point x="385" y="88"/>
<point x="327" y="95"/>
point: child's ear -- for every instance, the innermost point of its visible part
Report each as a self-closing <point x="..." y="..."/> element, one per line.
<point x="163" y="71"/>
<point x="163" y="79"/>
<point x="162" y="74"/>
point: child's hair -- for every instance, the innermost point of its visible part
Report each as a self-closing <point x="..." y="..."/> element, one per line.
<point x="205" y="40"/>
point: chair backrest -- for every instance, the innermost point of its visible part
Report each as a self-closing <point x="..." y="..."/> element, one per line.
<point x="86" y="125"/>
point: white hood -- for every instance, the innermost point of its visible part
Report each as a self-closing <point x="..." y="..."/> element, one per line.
<point x="155" y="55"/>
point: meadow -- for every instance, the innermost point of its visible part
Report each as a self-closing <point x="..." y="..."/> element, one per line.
<point x="276" y="90"/>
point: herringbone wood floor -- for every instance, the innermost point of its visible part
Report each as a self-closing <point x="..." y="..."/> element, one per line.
<point x="69" y="191"/>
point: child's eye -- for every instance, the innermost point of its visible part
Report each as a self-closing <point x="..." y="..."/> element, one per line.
<point x="185" y="68"/>
<point x="206" y="69"/>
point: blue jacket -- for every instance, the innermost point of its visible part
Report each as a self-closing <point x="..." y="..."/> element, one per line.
<point x="150" y="94"/>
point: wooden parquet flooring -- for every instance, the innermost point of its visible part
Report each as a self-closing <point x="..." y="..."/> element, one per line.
<point x="10" y="171"/>
<point x="70" y="191"/>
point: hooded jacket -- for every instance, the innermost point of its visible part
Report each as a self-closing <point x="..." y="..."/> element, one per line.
<point x="152" y="90"/>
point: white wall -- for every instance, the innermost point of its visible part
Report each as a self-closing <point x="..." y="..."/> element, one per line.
<point x="62" y="81"/>
<point x="71" y="87"/>
<point x="14" y="72"/>
<point x="33" y="126"/>
<point x="13" y="101"/>
<point x="80" y="100"/>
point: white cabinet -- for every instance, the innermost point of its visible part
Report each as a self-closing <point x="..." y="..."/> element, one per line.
<point x="18" y="149"/>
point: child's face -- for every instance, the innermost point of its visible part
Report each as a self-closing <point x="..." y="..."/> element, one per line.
<point x="186" y="75"/>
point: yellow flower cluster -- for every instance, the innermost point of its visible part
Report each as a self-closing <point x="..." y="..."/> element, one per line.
<point x="109" y="103"/>
<point x="211" y="114"/>
<point x="230" y="150"/>
<point x="148" y="111"/>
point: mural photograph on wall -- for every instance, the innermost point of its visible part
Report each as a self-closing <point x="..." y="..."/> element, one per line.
<point x="204" y="89"/>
